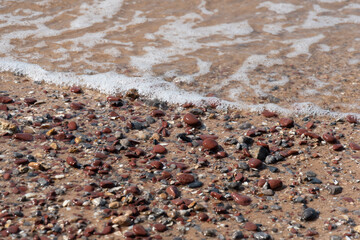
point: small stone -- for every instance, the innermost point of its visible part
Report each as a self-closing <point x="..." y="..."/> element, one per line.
<point x="329" y="138"/>
<point x="51" y="132"/>
<point x="13" y="229"/>
<point x="122" y="220"/>
<point x="210" y="144"/>
<point x="23" y="136"/>
<point x="286" y="122"/>
<point x="203" y="217"/>
<point x="89" y="188"/>
<point x="354" y="146"/>
<point x="262" y="236"/>
<point x="275" y="184"/>
<point x="191" y="119"/>
<point x="237" y="235"/>
<point x="338" y="147"/>
<point x="30" y="100"/>
<point x="6" y="99"/>
<point x="159" y="149"/>
<point x="157" y="113"/>
<point x="71" y="161"/>
<point x="185" y="178"/>
<point x="34" y="165"/>
<point x="72" y="126"/>
<point x="357" y="228"/>
<point x="139" y="230"/>
<point x="107" y="184"/>
<point x="259" y="152"/>
<point x="309" y="214"/>
<point x="209" y="232"/>
<point x="160" y="227"/>
<point x="54" y="146"/>
<point x="250" y="226"/>
<point x="173" y="191"/>
<point x="269" y="114"/>
<point x="76" y="106"/>
<point x="351" y="119"/>
<point x="75" y="89"/>
<point x="254" y="163"/>
<point x="195" y="184"/>
<point x="241" y="199"/>
<point x="333" y="190"/>
<point x="114" y="205"/>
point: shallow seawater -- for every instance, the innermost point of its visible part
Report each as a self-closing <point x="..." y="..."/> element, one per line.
<point x="291" y="56"/>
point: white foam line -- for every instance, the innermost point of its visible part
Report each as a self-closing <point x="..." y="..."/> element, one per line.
<point x="301" y="46"/>
<point x="279" y="8"/>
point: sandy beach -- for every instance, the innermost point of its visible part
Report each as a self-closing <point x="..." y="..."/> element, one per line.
<point x="79" y="164"/>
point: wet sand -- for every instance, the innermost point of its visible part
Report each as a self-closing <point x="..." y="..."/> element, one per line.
<point x="76" y="163"/>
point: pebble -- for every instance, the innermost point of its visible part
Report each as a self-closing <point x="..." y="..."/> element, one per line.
<point x="333" y="190"/>
<point x="351" y="119"/>
<point x="122" y="220"/>
<point x="76" y="106"/>
<point x="209" y="144"/>
<point x="13" y="229"/>
<point x="262" y="236"/>
<point x="329" y="138"/>
<point x="71" y="161"/>
<point x="237" y="235"/>
<point x="286" y="122"/>
<point x="195" y="184"/>
<point x="75" y="89"/>
<point x="114" y="205"/>
<point x="173" y="191"/>
<point x="139" y="230"/>
<point x="309" y="214"/>
<point x="160" y="227"/>
<point x="250" y="226"/>
<point x="185" y="178"/>
<point x="159" y="149"/>
<point x="254" y="163"/>
<point x="354" y="146"/>
<point x="23" y="136"/>
<point x="338" y="147"/>
<point x="30" y="100"/>
<point x="107" y="184"/>
<point x="241" y="199"/>
<point x="275" y="184"/>
<point x="203" y="217"/>
<point x="72" y="126"/>
<point x="191" y="119"/>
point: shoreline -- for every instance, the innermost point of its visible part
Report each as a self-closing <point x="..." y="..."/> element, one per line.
<point x="127" y="167"/>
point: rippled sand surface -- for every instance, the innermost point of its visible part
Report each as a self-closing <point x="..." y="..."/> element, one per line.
<point x="290" y="56"/>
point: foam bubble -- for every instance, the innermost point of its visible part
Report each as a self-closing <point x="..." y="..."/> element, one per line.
<point x="301" y="46"/>
<point x="279" y="8"/>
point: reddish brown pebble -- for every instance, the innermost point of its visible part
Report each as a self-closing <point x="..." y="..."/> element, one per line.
<point x="159" y="149"/>
<point x="261" y="182"/>
<point x="88" y="188"/>
<point x="107" y="184"/>
<point x="185" y="178"/>
<point x="71" y="161"/>
<point x="107" y="230"/>
<point x="191" y="119"/>
<point x="139" y="230"/>
<point x="3" y="107"/>
<point x="76" y="106"/>
<point x="23" y="136"/>
<point x="351" y="119"/>
<point x="5" y="99"/>
<point x="173" y="191"/>
<point x="254" y="163"/>
<point x="286" y="122"/>
<point x="203" y="217"/>
<point x="354" y="146"/>
<point x="30" y="100"/>
<point x="250" y="226"/>
<point x="338" y="147"/>
<point x="275" y="184"/>
<point x="75" y="89"/>
<point x="157" y="113"/>
<point x="329" y="138"/>
<point x="160" y="227"/>
<point x="209" y="143"/>
<point x="241" y="199"/>
<point x="269" y="114"/>
<point x="157" y="165"/>
<point x="7" y="176"/>
<point x="13" y="229"/>
<point x="72" y="126"/>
